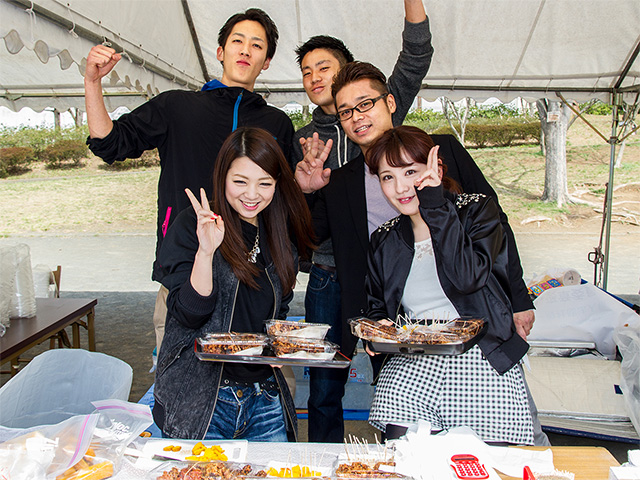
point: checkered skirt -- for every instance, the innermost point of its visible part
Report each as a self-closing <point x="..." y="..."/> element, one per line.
<point x="452" y="391"/>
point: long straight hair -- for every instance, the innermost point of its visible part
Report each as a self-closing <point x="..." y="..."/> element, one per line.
<point x="285" y="218"/>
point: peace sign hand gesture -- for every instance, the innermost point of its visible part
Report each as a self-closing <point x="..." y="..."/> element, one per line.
<point x="210" y="227"/>
<point x="432" y="177"/>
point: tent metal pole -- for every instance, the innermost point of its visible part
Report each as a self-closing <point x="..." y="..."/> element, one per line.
<point x="615" y="102"/>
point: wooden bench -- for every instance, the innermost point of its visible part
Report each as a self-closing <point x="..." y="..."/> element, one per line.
<point x="52" y="316"/>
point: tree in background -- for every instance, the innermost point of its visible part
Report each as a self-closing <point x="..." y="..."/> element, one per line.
<point x="459" y="114"/>
<point x="554" y="122"/>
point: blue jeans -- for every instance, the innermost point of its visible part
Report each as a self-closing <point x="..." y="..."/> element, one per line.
<point x="326" y="385"/>
<point x="248" y="413"/>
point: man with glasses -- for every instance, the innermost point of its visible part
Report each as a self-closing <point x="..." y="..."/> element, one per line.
<point x="320" y="58"/>
<point x="351" y="206"/>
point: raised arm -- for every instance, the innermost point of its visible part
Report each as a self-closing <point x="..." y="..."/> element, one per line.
<point x="414" y="11"/>
<point x="413" y="61"/>
<point x="100" y="62"/>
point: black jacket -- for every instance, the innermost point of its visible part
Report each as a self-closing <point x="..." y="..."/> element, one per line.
<point x="186" y="388"/>
<point x="470" y="250"/>
<point x="340" y="213"/>
<point x="188" y="129"/>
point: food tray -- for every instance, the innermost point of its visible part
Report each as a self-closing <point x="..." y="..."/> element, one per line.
<point x="268" y="358"/>
<point x="235" y="450"/>
<point x="233" y="343"/>
<point x="452" y="338"/>
<point x="214" y="469"/>
<point x="292" y="328"/>
<point x="294" y="347"/>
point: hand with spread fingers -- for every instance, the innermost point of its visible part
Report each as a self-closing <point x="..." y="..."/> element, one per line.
<point x="210" y="229"/>
<point x="310" y="174"/>
<point x="432" y="177"/>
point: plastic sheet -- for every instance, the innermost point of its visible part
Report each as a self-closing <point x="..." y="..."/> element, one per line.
<point x="61" y="383"/>
<point x="580" y="313"/>
<point x="627" y="338"/>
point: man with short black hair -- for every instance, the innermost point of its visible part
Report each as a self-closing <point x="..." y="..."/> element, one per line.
<point x="187" y="127"/>
<point x="320" y="58"/>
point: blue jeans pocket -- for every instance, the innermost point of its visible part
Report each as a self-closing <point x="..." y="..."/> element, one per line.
<point x="319" y="279"/>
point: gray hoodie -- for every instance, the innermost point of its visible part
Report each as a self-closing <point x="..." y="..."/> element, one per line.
<point x="403" y="83"/>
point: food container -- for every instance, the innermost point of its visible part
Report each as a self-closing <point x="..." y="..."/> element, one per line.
<point x="214" y="469"/>
<point x="373" y="331"/>
<point x="291" y="328"/>
<point x="435" y="338"/>
<point x="293" y="347"/>
<point x="233" y="343"/>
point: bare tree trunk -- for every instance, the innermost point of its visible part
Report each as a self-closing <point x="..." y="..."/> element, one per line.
<point x="620" y="152"/>
<point x="460" y="115"/>
<point x="56" y="119"/>
<point x="76" y="113"/>
<point x="554" y="120"/>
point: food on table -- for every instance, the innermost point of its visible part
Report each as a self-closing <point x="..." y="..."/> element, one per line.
<point x="296" y="471"/>
<point x="292" y="347"/>
<point x="172" y="448"/>
<point x="364" y="469"/>
<point x="233" y="343"/>
<point x="201" y="453"/>
<point x="88" y="468"/>
<point x="290" y="328"/>
<point x="206" y="471"/>
<point x="374" y="331"/>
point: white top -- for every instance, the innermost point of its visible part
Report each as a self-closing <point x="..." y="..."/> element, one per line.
<point x="423" y="296"/>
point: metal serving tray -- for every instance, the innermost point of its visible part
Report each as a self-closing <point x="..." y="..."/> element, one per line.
<point x="267" y="358"/>
<point x="456" y="348"/>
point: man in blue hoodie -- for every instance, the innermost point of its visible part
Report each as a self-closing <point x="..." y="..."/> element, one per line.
<point x="320" y="58"/>
<point x="188" y="128"/>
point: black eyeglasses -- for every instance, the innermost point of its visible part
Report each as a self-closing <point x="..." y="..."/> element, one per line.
<point x="362" y="107"/>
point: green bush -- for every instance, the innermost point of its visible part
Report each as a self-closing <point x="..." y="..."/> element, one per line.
<point x="40" y="138"/>
<point x="299" y="119"/>
<point x="149" y="158"/>
<point x="65" y="154"/>
<point x="427" y="120"/>
<point x="505" y="134"/>
<point x="597" y="108"/>
<point x="15" y="160"/>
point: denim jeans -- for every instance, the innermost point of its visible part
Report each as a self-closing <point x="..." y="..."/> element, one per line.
<point x="326" y="385"/>
<point x="249" y="413"/>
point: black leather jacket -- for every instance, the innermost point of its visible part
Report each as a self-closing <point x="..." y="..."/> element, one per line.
<point x="471" y="259"/>
<point x="186" y="388"/>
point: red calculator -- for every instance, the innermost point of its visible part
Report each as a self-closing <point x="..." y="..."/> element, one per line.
<point x="467" y="466"/>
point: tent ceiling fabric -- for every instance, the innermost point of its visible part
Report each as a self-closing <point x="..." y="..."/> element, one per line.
<point x="483" y="48"/>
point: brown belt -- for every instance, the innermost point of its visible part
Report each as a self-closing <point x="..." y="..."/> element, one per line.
<point x="326" y="268"/>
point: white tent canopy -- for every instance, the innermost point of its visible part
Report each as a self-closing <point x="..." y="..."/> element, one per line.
<point x="483" y="48"/>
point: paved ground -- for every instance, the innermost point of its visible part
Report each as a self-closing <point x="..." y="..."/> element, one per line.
<point x="116" y="269"/>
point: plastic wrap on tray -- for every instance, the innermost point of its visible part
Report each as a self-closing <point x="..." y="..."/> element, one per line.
<point x="291" y="328"/>
<point x="374" y="331"/>
<point x="233" y="343"/>
<point x="453" y="331"/>
<point x="293" y="347"/>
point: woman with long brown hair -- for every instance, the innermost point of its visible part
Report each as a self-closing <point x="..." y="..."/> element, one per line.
<point x="231" y="264"/>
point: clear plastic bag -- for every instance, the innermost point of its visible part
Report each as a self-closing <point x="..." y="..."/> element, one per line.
<point x="627" y="338"/>
<point x="82" y="445"/>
